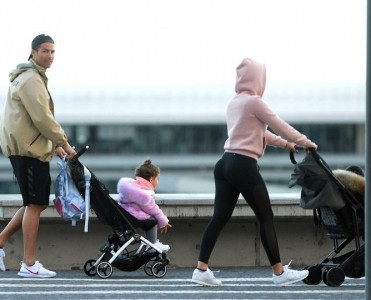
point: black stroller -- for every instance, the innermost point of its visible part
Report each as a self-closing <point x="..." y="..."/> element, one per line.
<point x="125" y="249"/>
<point x="340" y="210"/>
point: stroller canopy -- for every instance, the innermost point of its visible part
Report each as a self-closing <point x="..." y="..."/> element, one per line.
<point x="317" y="182"/>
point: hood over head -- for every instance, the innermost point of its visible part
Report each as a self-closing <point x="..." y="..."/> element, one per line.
<point x="251" y="77"/>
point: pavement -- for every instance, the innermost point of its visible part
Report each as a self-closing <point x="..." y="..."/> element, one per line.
<point x="238" y="283"/>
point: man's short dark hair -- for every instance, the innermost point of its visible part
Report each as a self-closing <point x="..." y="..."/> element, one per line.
<point x="38" y="40"/>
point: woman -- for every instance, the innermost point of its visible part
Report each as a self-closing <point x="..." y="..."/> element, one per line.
<point x="248" y="117"/>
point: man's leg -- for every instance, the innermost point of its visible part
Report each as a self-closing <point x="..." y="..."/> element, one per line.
<point x="12" y="227"/>
<point x="30" y="227"/>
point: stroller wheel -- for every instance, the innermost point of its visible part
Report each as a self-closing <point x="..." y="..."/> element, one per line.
<point x="148" y="268"/>
<point x="333" y="276"/>
<point x="89" y="267"/>
<point x="104" y="269"/>
<point x="158" y="269"/>
<point x="315" y="275"/>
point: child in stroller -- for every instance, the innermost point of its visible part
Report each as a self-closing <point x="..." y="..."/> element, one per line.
<point x="137" y="197"/>
<point x="125" y="249"/>
<point x="338" y="199"/>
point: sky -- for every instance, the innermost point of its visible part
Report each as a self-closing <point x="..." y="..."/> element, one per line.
<point x="188" y="42"/>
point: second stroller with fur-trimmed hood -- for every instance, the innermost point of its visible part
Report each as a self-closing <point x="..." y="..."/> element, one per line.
<point x="337" y="199"/>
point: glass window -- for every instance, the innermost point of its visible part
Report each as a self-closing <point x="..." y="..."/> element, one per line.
<point x="194" y="139"/>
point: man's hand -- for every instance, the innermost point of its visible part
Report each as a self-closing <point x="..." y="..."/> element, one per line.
<point x="69" y="150"/>
<point x="59" y="151"/>
<point x="65" y="151"/>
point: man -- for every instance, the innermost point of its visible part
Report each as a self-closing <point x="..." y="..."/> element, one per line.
<point x="29" y="136"/>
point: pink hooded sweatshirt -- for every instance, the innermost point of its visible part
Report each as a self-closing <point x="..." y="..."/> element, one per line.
<point x="248" y="116"/>
<point x="137" y="197"/>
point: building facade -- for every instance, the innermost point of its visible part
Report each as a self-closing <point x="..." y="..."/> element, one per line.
<point x="182" y="129"/>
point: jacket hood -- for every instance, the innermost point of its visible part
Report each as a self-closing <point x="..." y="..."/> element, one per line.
<point x="24" y="67"/>
<point x="251" y="77"/>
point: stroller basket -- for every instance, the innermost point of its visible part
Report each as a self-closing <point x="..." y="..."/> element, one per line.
<point x="337" y="222"/>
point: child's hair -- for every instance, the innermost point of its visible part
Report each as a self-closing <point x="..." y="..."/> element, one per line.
<point x="147" y="170"/>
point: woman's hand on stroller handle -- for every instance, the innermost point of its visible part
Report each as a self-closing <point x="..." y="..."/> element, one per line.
<point x="298" y="148"/>
<point x="292" y="147"/>
<point x="311" y="147"/>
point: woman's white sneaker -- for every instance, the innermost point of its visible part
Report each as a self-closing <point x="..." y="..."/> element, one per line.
<point x="35" y="271"/>
<point x="2" y="255"/>
<point x="289" y="276"/>
<point x="205" y="278"/>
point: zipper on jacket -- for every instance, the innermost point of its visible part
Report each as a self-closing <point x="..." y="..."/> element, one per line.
<point x="35" y="139"/>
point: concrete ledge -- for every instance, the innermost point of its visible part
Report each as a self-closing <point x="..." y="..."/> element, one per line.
<point x="177" y="206"/>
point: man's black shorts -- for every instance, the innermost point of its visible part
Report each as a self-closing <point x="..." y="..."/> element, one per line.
<point x="33" y="178"/>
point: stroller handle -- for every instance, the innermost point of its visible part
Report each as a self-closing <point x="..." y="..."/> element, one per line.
<point x="81" y="151"/>
<point x="298" y="148"/>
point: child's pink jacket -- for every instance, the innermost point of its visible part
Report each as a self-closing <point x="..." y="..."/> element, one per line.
<point x="137" y="197"/>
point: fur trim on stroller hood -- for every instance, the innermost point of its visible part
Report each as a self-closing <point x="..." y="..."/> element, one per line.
<point x="351" y="181"/>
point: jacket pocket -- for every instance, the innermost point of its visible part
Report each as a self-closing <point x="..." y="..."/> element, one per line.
<point x="34" y="140"/>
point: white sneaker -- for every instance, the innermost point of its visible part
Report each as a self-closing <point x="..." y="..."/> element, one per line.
<point x="35" y="271"/>
<point x="205" y="278"/>
<point x="164" y="248"/>
<point x="289" y="276"/>
<point x="2" y="255"/>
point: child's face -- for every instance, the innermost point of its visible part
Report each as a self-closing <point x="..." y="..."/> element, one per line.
<point x="155" y="180"/>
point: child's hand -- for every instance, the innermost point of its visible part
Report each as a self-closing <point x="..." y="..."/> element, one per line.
<point x="164" y="229"/>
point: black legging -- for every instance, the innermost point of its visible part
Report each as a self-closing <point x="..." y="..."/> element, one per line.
<point x="235" y="174"/>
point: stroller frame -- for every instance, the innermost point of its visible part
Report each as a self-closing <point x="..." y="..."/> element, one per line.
<point x="333" y="268"/>
<point x="155" y="265"/>
<point x="116" y="252"/>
